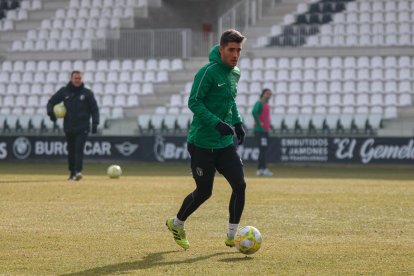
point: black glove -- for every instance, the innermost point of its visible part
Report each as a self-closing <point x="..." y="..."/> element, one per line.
<point x="52" y="116"/>
<point x="240" y="133"/>
<point x="94" y="129"/>
<point x="224" y="129"/>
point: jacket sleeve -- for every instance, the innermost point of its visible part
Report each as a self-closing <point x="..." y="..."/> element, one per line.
<point x="94" y="110"/>
<point x="54" y="100"/>
<point x="201" y="86"/>
<point x="257" y="110"/>
<point x="236" y="115"/>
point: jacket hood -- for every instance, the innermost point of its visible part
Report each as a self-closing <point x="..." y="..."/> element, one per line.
<point x="214" y="56"/>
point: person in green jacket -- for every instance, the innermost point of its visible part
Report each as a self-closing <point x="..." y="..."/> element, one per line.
<point x="261" y="116"/>
<point x="210" y="139"/>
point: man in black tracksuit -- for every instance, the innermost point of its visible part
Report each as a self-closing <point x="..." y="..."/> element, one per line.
<point x="80" y="105"/>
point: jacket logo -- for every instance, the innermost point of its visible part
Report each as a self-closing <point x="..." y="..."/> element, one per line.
<point x="199" y="171"/>
<point x="220" y="84"/>
<point x="82" y="97"/>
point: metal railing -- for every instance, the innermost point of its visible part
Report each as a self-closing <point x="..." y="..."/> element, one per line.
<point x="163" y="43"/>
<point x="244" y="14"/>
<point x="145" y="44"/>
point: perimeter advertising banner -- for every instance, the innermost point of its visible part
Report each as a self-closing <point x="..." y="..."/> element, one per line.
<point x="171" y="148"/>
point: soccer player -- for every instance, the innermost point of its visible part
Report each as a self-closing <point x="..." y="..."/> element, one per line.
<point x="80" y="106"/>
<point x="210" y="139"/>
<point x="261" y="115"/>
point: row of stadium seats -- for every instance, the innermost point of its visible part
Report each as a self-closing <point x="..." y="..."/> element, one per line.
<point x="326" y="87"/>
<point x="327" y="6"/>
<point x="385" y="112"/>
<point x="95" y="12"/>
<point x="331" y="74"/>
<point x="322" y="87"/>
<point x="16" y="15"/>
<point x="79" y="23"/>
<point x="6" y="25"/>
<point x="281" y="123"/>
<point x="9" y="4"/>
<point x="51" y="45"/>
<point x="35" y="123"/>
<point x="360" y="40"/>
<point x="367" y="28"/>
<point x="89" y="76"/>
<point x="92" y="65"/>
<point x="107" y="112"/>
<point x="326" y="62"/>
<point x="295" y="98"/>
<point x="48" y="89"/>
<point x="379" y="5"/>
<point x="39" y="101"/>
<point x="106" y="3"/>
<point x="386" y="17"/>
<point x="315" y="100"/>
<point x="96" y="33"/>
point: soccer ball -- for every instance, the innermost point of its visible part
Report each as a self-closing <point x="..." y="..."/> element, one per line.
<point x="114" y="171"/>
<point x="59" y="110"/>
<point x="248" y="240"/>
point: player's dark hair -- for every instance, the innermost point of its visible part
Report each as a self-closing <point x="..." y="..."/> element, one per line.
<point x="264" y="91"/>
<point x="75" y="72"/>
<point x="231" y="35"/>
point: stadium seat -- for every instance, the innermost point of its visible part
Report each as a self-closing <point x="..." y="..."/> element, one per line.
<point x="177" y="64"/>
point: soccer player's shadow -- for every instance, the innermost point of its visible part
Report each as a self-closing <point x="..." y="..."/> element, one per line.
<point x="149" y="261"/>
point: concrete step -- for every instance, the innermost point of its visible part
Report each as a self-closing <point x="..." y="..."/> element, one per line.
<point x="10" y="36"/>
<point x="153" y="100"/>
<point x="50" y="55"/>
<point x="4" y="47"/>
<point x="406" y="112"/>
<point x="126" y="126"/>
<point x="55" y="4"/>
<point x="136" y="111"/>
<point x="181" y="76"/>
<point x="269" y="21"/>
<point x="397" y="129"/>
<point x="42" y="14"/>
<point x="26" y="25"/>
<point x="169" y="87"/>
<point x="195" y="63"/>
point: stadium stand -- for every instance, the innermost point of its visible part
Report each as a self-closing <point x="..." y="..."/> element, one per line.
<point x="336" y="93"/>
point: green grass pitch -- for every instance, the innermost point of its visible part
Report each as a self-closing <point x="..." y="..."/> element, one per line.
<point x="315" y="220"/>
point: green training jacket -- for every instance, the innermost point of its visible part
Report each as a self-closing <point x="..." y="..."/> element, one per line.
<point x="212" y="99"/>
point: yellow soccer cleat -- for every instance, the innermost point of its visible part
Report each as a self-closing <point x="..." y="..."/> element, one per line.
<point x="178" y="234"/>
<point x="229" y="242"/>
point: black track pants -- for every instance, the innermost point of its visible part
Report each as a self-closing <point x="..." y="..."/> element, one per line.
<point x="76" y="143"/>
<point x="204" y="164"/>
<point x="262" y="139"/>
